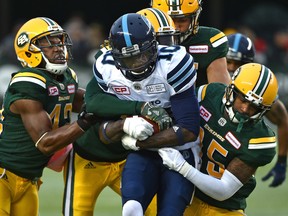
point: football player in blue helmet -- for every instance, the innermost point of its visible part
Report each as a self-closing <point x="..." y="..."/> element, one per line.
<point x="115" y="155"/>
<point x="135" y="53"/>
<point x="241" y="51"/>
<point x="150" y="78"/>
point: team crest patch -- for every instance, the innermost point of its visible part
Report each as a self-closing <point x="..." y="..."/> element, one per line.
<point x="222" y="121"/>
<point x="233" y="140"/>
<point x="205" y="114"/>
<point x="198" y="49"/>
<point x="137" y="86"/>
<point x="122" y="90"/>
<point x="22" y="40"/>
<point x="156" y="88"/>
<point x="53" y="91"/>
<point x="71" y="88"/>
<point x="62" y="86"/>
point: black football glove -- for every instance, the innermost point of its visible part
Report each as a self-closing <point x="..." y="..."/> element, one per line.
<point x="156" y="114"/>
<point x="86" y="120"/>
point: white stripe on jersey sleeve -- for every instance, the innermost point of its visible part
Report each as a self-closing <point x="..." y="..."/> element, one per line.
<point x="29" y="79"/>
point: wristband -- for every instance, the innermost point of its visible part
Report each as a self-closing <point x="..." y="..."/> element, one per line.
<point x="104" y="133"/>
<point x="36" y="144"/>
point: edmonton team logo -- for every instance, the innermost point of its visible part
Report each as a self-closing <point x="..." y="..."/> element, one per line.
<point x="22" y="40"/>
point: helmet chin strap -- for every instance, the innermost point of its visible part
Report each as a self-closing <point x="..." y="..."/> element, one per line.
<point x="237" y="117"/>
<point x="242" y="118"/>
<point x="57" y="69"/>
<point x="138" y="76"/>
<point x="138" y="73"/>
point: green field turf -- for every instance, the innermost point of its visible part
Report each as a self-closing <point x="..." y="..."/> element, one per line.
<point x="264" y="201"/>
<point x="109" y="203"/>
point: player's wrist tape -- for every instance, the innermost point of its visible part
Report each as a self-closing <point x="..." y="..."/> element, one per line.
<point x="105" y="134"/>
<point x="184" y="170"/>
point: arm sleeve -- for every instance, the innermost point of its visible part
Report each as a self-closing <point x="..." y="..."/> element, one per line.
<point x="219" y="189"/>
<point x="108" y="105"/>
<point x="189" y="117"/>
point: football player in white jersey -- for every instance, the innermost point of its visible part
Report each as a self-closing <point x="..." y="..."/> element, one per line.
<point x="138" y="69"/>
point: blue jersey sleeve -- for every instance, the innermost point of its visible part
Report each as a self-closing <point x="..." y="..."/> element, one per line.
<point x="185" y="109"/>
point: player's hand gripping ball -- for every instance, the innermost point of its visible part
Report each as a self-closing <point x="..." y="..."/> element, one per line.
<point x="156" y="127"/>
<point x="156" y="114"/>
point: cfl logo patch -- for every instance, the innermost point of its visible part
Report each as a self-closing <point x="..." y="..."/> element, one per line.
<point x="205" y="114"/>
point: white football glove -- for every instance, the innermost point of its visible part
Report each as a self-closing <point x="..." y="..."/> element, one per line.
<point x="174" y="160"/>
<point x="129" y="143"/>
<point x="138" y="128"/>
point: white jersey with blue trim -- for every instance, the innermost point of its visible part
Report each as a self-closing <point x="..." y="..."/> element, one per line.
<point x="174" y="73"/>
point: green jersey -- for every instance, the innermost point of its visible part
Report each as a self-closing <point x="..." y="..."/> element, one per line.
<point x="18" y="153"/>
<point x="206" y="46"/>
<point x="89" y="146"/>
<point x="254" y="144"/>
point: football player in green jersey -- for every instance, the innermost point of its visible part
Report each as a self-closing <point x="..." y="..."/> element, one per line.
<point x="91" y="156"/>
<point x="235" y="141"/>
<point x="36" y="113"/>
<point x="241" y="51"/>
<point x="207" y="45"/>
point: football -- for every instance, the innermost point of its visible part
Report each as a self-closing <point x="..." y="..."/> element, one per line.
<point x="155" y="125"/>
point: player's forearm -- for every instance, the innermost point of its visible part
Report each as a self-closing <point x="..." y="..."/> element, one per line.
<point x="167" y="138"/>
<point x="78" y="100"/>
<point x="282" y="141"/>
<point x="53" y="140"/>
<point x="111" y="131"/>
<point x="278" y="116"/>
<point x="219" y="189"/>
<point x="282" y="145"/>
